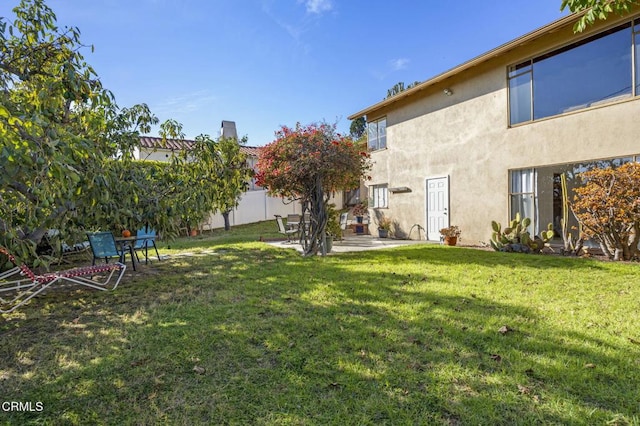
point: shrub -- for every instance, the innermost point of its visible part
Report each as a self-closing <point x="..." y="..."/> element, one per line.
<point x="608" y="208"/>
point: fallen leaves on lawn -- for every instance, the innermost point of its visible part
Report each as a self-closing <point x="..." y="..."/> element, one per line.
<point x="525" y="390"/>
<point x="504" y="329"/>
<point x="139" y="362"/>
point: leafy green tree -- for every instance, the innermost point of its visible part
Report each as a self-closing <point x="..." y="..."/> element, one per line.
<point x="60" y="133"/>
<point x="66" y="148"/>
<point x="358" y="127"/>
<point x="233" y="178"/>
<point x="216" y="174"/>
<point x="307" y="164"/>
<point x="54" y="124"/>
<point x="597" y="10"/>
<point x="145" y="193"/>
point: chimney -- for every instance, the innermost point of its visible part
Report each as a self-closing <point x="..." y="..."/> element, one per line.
<point x="228" y="129"/>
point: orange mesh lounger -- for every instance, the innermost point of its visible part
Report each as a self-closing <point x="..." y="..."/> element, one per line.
<point x="20" y="284"/>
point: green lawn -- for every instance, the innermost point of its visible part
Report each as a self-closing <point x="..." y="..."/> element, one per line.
<point x="242" y="333"/>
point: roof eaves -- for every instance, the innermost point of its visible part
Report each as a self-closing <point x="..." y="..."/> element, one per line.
<point x="500" y="50"/>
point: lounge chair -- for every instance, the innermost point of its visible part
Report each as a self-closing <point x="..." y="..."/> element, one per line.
<point x="344" y="222"/>
<point x="52" y="244"/>
<point x="283" y="229"/>
<point x="293" y="220"/>
<point x="20" y="284"/>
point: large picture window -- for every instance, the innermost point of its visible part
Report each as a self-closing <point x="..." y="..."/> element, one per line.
<point x="377" y="133"/>
<point x="593" y="71"/>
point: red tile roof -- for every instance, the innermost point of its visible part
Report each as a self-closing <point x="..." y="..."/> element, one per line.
<point x="253" y="151"/>
<point x="151" y="142"/>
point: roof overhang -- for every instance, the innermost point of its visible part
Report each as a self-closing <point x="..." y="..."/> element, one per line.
<point x="498" y="51"/>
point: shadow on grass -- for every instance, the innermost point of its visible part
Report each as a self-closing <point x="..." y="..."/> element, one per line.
<point x="396" y="336"/>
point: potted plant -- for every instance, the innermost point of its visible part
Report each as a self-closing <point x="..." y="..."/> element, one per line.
<point x="359" y="211"/>
<point x="384" y="226"/>
<point x="450" y="235"/>
<point x="333" y="223"/>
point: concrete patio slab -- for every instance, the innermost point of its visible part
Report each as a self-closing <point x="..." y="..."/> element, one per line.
<point x="356" y="243"/>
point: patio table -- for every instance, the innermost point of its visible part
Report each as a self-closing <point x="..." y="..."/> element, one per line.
<point x="126" y="242"/>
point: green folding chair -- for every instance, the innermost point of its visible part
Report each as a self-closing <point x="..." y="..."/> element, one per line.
<point x="103" y="246"/>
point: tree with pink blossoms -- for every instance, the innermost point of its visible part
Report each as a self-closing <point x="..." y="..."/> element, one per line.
<point x="308" y="164"/>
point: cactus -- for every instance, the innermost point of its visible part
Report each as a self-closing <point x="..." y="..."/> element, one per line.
<point x="547" y="235"/>
<point x="515" y="237"/>
<point x="496" y="240"/>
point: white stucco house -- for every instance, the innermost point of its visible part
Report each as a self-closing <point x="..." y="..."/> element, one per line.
<point x="492" y="136"/>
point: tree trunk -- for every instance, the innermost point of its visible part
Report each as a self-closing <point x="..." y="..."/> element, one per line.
<point x="617" y="254"/>
<point x="635" y="241"/>
<point x="225" y="216"/>
<point x="316" y="205"/>
<point x="605" y="249"/>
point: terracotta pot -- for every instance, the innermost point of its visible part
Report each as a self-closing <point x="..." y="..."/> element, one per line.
<point x="194" y="233"/>
<point x="126" y="233"/>
<point x="451" y="241"/>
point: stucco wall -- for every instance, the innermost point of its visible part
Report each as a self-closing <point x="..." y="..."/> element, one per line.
<point x="157" y="155"/>
<point x="466" y="137"/>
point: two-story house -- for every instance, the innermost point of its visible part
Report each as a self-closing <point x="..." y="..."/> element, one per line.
<point x="492" y="136"/>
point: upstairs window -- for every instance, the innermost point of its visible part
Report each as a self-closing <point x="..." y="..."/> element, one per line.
<point x="590" y="72"/>
<point x="377" y="132"/>
<point x="520" y="95"/>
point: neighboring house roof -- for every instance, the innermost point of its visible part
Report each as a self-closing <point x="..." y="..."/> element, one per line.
<point x="150" y="142"/>
<point x="498" y="51"/>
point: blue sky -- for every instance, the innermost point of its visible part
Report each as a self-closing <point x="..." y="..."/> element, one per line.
<point x="266" y="63"/>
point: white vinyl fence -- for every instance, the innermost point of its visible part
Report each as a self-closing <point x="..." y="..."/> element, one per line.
<point x="255" y="206"/>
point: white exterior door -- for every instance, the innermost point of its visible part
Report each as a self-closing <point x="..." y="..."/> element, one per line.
<point x="437" y="207"/>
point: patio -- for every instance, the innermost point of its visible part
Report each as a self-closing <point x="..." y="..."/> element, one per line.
<point x="353" y="242"/>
